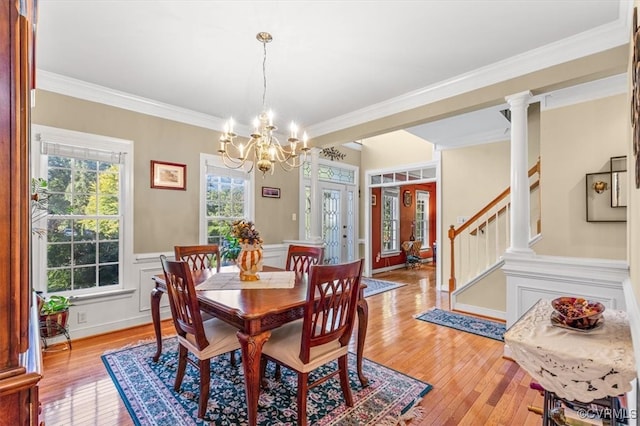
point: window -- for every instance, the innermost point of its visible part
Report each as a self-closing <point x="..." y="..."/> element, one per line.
<point x="87" y="178"/>
<point x="390" y="220"/>
<point x="422" y="218"/>
<point x="227" y="195"/>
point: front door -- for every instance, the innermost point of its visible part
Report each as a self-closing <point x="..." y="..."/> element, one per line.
<point x="338" y="222"/>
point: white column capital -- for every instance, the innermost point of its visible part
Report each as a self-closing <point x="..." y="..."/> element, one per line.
<point x="519" y="98"/>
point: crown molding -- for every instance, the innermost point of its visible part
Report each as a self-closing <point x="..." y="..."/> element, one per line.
<point x="584" y="44"/>
<point x="491" y="136"/>
<point x="587" y="43"/>
<point x="68" y="86"/>
<point x="610" y="86"/>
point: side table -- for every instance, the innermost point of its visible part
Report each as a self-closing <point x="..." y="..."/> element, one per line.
<point x="587" y="367"/>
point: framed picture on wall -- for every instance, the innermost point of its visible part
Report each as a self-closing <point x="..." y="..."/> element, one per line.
<point x="269" y="192"/>
<point x="407" y="198"/>
<point x="168" y="175"/>
<point x="598" y="196"/>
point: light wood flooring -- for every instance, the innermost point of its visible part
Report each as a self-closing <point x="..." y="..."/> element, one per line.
<point x="472" y="383"/>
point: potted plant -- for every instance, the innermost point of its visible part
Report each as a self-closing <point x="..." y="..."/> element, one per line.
<point x="54" y="315"/>
<point x="39" y="204"/>
<point x="230" y="246"/>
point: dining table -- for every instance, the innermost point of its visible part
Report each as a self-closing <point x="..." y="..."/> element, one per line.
<point x="254" y="312"/>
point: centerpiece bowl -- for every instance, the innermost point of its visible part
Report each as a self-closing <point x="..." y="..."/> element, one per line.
<point x="577" y="313"/>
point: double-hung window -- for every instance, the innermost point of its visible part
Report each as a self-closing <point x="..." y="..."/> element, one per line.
<point x="390" y="220"/>
<point x="226" y="194"/>
<point x="422" y="218"/>
<point x="88" y="178"/>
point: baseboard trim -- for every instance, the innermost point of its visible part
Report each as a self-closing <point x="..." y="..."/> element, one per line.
<point x="478" y="310"/>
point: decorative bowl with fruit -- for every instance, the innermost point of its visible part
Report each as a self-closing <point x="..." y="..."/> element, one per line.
<point x="577" y="313"/>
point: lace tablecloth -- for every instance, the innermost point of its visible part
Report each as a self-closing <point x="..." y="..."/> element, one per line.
<point x="581" y="366"/>
<point x="231" y="281"/>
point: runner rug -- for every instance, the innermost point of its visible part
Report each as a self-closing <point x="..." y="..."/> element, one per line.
<point x="482" y="327"/>
<point x="146" y="388"/>
<point x="378" y="286"/>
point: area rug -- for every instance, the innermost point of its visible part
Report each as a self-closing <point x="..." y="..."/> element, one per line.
<point x="482" y="327"/>
<point x="378" y="286"/>
<point x="146" y="388"/>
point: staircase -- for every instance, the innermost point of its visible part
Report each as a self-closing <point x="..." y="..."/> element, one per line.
<point x="477" y="245"/>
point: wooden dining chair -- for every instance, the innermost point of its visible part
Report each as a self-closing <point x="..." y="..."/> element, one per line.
<point x="323" y="334"/>
<point x="199" y="256"/>
<point x="204" y="339"/>
<point x="300" y="258"/>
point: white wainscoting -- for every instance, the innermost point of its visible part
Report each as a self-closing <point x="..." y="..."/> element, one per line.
<point x="275" y="255"/>
<point x="532" y="277"/>
<point x="146" y="266"/>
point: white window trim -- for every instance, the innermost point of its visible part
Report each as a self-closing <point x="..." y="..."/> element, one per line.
<point x="426" y="237"/>
<point x="392" y="252"/>
<point x="39" y="168"/>
<point x="216" y="160"/>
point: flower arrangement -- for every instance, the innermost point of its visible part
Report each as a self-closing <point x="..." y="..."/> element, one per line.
<point x="245" y="232"/>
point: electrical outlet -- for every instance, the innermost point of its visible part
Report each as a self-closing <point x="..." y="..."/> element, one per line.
<point x="82" y="317"/>
<point x="294" y="217"/>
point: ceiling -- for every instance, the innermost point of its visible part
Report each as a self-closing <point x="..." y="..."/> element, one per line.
<point x="328" y="59"/>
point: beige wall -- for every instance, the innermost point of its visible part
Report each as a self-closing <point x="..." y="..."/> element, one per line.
<point x="490" y="293"/>
<point x="576" y="140"/>
<point x="387" y="151"/>
<point x="394" y="149"/>
<point x="471" y="177"/>
<point x="163" y="218"/>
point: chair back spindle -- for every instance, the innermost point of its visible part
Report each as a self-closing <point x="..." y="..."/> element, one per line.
<point x="301" y="258"/>
<point x="183" y="301"/>
<point x="332" y="297"/>
<point x="200" y="256"/>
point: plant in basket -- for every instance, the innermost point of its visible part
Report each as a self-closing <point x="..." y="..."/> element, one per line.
<point x="54" y="315"/>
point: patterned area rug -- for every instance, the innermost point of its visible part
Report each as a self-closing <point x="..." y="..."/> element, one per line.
<point x="379" y="286"/>
<point x="147" y="391"/>
<point x="482" y="327"/>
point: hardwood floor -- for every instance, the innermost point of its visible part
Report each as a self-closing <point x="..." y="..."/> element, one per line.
<point x="472" y="383"/>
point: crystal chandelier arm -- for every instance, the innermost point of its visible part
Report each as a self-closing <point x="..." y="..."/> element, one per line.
<point x="263" y="148"/>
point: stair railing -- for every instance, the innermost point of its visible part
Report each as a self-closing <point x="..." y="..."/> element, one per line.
<point x="479" y="243"/>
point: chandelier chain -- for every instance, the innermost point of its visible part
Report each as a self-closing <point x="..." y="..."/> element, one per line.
<point x="263" y="149"/>
<point x="264" y="75"/>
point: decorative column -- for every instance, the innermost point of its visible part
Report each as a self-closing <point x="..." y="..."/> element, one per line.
<point x="520" y="210"/>
<point x="315" y="199"/>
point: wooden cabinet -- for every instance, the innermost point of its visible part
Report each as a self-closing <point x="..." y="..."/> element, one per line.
<point x="18" y="382"/>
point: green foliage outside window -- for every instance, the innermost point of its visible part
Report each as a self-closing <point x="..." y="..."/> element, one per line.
<point x="225" y="203"/>
<point x="83" y="228"/>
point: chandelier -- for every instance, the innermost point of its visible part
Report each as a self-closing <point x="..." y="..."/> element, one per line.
<point x="263" y="148"/>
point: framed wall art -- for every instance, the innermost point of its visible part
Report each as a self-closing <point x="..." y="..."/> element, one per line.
<point x="407" y="198"/>
<point x="168" y="175"/>
<point x="598" y="196"/>
<point x="269" y="192"/>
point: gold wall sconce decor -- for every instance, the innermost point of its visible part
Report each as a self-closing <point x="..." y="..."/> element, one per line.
<point x="600" y="186"/>
<point x="606" y="192"/>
